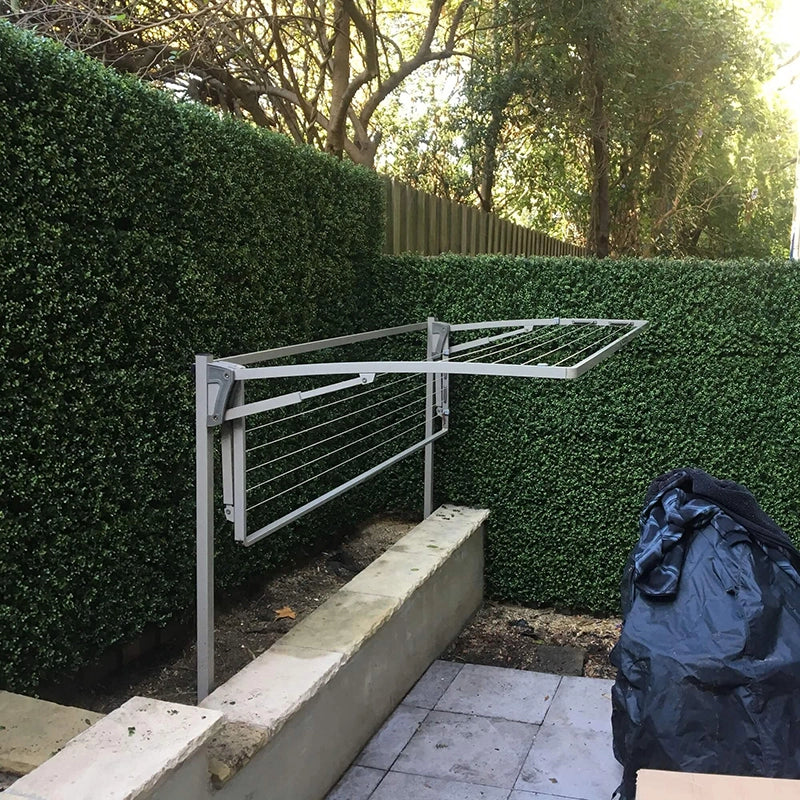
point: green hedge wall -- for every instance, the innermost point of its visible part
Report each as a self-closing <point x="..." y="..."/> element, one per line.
<point x="713" y="383"/>
<point x="134" y="233"/>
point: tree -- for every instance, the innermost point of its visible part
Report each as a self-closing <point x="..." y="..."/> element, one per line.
<point x="680" y="126"/>
<point x="315" y="69"/>
<point x="533" y="78"/>
<point x="635" y="127"/>
<point x="423" y="141"/>
<point x="516" y="71"/>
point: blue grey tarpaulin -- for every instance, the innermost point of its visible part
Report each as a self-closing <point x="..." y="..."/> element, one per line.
<point x="708" y="662"/>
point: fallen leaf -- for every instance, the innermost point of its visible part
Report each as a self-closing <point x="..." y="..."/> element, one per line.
<point x="285" y="613"/>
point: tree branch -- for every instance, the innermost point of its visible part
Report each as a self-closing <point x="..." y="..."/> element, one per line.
<point x="422" y="56"/>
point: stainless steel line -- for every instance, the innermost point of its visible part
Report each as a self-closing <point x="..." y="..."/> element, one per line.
<point x="549" y="335"/>
<point x="332" y="403"/>
<point x="331" y="421"/>
<point x="500" y="346"/>
<point x="333" y="436"/>
<point x="482" y="341"/>
<point x="336" y="466"/>
<point x="541" y="357"/>
<point x="339" y="490"/>
<point x="596" y="343"/>
<point x="333" y="452"/>
<point x="544" y="344"/>
<point x="533" y="336"/>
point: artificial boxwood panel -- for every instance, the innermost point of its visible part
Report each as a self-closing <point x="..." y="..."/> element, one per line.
<point x="563" y="466"/>
<point x="134" y="233"/>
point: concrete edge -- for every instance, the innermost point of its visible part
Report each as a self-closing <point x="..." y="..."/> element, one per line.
<point x="122" y="756"/>
<point x="284" y="683"/>
<point x="33" y="730"/>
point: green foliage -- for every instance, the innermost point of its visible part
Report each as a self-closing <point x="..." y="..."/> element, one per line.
<point x="424" y="148"/>
<point x="702" y="165"/>
<point x="564" y="466"/>
<point x="699" y="164"/>
<point x="134" y="233"/>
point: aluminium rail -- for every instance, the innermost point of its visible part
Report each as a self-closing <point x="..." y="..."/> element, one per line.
<point x="554" y="348"/>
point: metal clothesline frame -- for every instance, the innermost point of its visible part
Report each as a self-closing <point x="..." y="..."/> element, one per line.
<point x="220" y="403"/>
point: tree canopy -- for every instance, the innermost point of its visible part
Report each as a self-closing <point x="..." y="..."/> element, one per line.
<point x="641" y="128"/>
<point x="314" y="69"/>
<point x="632" y="126"/>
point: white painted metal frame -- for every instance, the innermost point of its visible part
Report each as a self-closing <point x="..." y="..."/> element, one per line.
<point x="220" y="402"/>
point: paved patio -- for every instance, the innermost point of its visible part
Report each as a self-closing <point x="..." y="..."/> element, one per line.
<point x="467" y="732"/>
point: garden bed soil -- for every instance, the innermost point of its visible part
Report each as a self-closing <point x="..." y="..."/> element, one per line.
<point x="500" y="634"/>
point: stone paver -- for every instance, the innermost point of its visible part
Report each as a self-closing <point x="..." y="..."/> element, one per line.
<point x="583" y="703"/>
<point x="127" y="753"/>
<point x="571" y="762"/>
<point x="433" y="684"/>
<point x="468" y="748"/>
<point x="468" y="732"/>
<point x="399" y="786"/>
<point x="358" y="783"/>
<point x="498" y="692"/>
<point x="32" y="730"/>
<point x="393" y="736"/>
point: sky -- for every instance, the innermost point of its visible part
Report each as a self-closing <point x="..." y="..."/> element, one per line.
<point x="786" y="26"/>
<point x="786" y="31"/>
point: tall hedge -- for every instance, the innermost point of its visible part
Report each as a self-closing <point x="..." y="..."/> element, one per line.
<point x="134" y="233"/>
<point x="714" y="383"/>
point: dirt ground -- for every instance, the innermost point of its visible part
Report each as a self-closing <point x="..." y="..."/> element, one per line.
<point x="500" y="634"/>
<point x="507" y="635"/>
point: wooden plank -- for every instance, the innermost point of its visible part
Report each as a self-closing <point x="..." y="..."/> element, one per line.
<point x="659" y="785"/>
<point x="397" y="217"/>
<point x="388" y="234"/>
<point x="421" y="220"/>
<point x="409" y="227"/>
<point x="432" y="238"/>
<point x="475" y="224"/>
<point x="444" y="225"/>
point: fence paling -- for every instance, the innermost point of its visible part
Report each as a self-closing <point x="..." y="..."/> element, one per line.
<point x="419" y="222"/>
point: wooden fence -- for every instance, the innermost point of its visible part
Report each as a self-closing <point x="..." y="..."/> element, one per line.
<point x="418" y="222"/>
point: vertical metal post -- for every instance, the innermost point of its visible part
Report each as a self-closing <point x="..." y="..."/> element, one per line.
<point x="204" y="481"/>
<point x="445" y="379"/>
<point x="430" y="410"/>
<point x="239" y="468"/>
<point x="794" y="244"/>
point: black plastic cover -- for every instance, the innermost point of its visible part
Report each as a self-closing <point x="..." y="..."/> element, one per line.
<point x="708" y="662"/>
